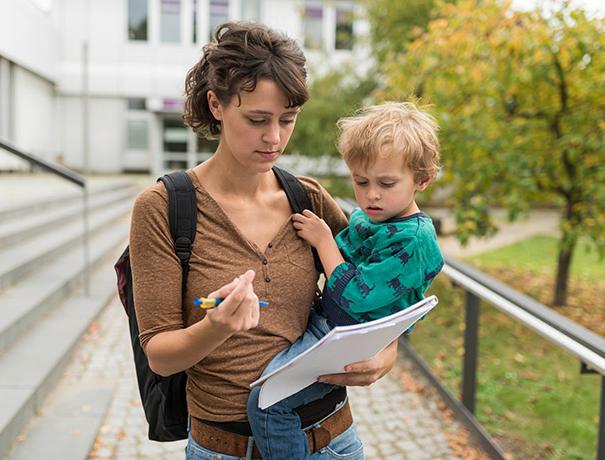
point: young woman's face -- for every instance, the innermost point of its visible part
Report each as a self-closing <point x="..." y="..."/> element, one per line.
<point x="385" y="189"/>
<point x="256" y="131"/>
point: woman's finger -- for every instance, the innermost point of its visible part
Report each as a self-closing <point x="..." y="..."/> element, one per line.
<point x="351" y="378"/>
<point x="234" y="298"/>
<point x="225" y="290"/>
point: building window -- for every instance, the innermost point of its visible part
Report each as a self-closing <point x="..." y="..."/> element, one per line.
<point x="219" y="13"/>
<point x="137" y="103"/>
<point x="171" y="21"/>
<point x="313" y="26"/>
<point x="137" y="134"/>
<point x="137" y="20"/>
<point x="344" y="28"/>
<point x="250" y="10"/>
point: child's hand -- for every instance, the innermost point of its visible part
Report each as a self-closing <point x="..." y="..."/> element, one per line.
<point x="311" y="228"/>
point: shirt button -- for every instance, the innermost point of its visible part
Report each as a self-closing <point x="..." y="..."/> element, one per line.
<point x="265" y="261"/>
<point x="267" y="279"/>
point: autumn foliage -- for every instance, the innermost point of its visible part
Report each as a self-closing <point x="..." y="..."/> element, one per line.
<point x="520" y="97"/>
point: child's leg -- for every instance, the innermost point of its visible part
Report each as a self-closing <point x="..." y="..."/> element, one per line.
<point x="277" y="429"/>
<point x="317" y="327"/>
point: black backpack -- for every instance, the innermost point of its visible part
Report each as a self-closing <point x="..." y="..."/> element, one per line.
<point x="164" y="398"/>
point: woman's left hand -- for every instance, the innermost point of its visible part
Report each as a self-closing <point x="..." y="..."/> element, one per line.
<point x="364" y="373"/>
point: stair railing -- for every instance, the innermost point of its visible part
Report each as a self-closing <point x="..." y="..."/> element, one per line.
<point x="66" y="174"/>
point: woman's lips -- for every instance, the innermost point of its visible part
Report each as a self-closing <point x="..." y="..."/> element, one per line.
<point x="269" y="155"/>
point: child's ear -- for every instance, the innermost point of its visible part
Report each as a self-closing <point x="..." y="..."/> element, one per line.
<point x="215" y="105"/>
<point x="423" y="185"/>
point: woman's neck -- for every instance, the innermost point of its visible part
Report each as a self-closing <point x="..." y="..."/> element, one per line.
<point x="221" y="174"/>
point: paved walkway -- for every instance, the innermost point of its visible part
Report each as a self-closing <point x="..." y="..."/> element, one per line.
<point x="540" y="222"/>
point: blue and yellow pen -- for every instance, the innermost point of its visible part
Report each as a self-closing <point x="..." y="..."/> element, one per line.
<point x="206" y="303"/>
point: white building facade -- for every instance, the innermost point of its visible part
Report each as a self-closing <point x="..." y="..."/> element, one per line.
<point x="98" y="84"/>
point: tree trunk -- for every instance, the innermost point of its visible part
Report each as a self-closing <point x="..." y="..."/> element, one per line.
<point x="562" y="279"/>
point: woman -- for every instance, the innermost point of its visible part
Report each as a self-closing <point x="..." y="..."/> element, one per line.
<point x="247" y="89"/>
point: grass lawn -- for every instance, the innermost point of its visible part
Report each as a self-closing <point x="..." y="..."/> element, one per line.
<point x="531" y="396"/>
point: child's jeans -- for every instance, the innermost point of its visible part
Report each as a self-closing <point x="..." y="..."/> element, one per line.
<point x="277" y="429"/>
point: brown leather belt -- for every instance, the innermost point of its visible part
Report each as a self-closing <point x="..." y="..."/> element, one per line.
<point x="227" y="443"/>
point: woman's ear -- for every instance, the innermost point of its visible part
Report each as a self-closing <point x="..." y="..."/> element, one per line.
<point x="215" y="105"/>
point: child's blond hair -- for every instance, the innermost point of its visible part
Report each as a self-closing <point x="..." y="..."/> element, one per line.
<point x="392" y="128"/>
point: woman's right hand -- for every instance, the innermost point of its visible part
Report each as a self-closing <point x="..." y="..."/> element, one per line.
<point x="240" y="310"/>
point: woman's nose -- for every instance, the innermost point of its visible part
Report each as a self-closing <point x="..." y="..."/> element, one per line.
<point x="271" y="135"/>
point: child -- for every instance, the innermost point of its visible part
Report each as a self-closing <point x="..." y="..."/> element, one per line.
<point x="382" y="263"/>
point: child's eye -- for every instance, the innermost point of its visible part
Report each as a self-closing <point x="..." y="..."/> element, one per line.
<point x="361" y="183"/>
<point x="387" y="184"/>
<point x="288" y="121"/>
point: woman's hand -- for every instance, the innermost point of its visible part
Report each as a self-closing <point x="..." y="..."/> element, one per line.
<point x="364" y="373"/>
<point x="174" y="351"/>
<point x="239" y="311"/>
<point x="311" y="228"/>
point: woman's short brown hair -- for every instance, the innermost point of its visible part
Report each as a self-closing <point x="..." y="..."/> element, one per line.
<point x="392" y="128"/>
<point x="241" y="54"/>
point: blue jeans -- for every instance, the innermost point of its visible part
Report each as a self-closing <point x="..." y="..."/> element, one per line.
<point x="277" y="429"/>
<point x="345" y="446"/>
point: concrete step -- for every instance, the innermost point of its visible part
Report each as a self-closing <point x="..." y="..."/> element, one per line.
<point x="68" y="425"/>
<point x="34" y="363"/>
<point x="30" y="299"/>
<point x="15" y="230"/>
<point x="19" y="260"/>
<point x="23" y="195"/>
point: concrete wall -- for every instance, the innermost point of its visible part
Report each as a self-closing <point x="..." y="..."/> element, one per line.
<point x="29" y="37"/>
<point x="105" y="133"/>
<point x="29" y="51"/>
<point x="35" y="114"/>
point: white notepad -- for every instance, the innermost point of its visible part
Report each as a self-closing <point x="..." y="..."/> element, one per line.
<point x="341" y="346"/>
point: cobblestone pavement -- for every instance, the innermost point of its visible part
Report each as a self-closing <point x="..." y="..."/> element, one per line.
<point x="394" y="423"/>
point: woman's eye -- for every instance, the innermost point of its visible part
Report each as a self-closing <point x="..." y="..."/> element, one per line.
<point x="256" y="121"/>
<point x="288" y="121"/>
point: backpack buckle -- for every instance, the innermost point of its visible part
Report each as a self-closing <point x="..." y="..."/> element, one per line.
<point x="182" y="247"/>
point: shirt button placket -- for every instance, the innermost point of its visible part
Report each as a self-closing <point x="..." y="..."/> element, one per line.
<point x="265" y="262"/>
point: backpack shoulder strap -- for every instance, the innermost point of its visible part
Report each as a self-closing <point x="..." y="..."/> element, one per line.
<point x="298" y="199"/>
<point x="182" y="215"/>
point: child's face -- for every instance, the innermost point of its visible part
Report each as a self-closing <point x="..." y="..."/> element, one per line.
<point x="385" y="189"/>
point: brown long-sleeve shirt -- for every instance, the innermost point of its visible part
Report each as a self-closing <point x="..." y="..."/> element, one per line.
<point x="218" y="386"/>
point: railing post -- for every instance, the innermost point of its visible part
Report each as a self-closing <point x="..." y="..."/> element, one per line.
<point x="86" y="243"/>
<point x="601" y="439"/>
<point x="471" y="346"/>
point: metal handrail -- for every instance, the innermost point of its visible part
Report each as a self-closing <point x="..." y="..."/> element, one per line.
<point x="562" y="335"/>
<point x="546" y="315"/>
<point x="54" y="168"/>
<point x="556" y="328"/>
<point x="69" y="175"/>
